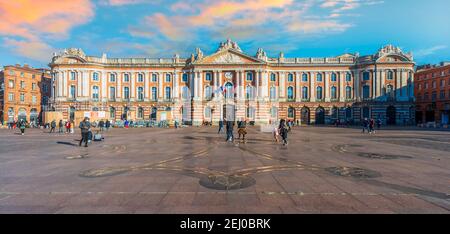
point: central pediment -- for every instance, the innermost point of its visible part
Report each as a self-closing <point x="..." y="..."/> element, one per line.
<point x="229" y="56"/>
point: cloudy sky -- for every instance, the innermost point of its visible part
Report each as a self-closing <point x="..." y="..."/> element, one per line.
<point x="30" y="30"/>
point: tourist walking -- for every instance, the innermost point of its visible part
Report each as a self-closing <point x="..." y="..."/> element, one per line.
<point x="22" y="125"/>
<point x="53" y="126"/>
<point x="107" y="124"/>
<point x="230" y="127"/>
<point x="276" y="133"/>
<point x="85" y="127"/>
<point x="371" y="126"/>
<point x="283" y="129"/>
<point x="220" y="126"/>
<point x="60" y="126"/>
<point x="242" y="129"/>
<point x="101" y="125"/>
<point x="67" y="125"/>
<point x="365" y="125"/>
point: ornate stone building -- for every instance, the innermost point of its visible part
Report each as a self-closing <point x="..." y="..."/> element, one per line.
<point x="232" y="84"/>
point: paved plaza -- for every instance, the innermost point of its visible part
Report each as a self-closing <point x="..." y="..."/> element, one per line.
<point x="193" y="170"/>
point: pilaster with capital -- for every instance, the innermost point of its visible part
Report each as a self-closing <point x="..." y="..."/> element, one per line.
<point x="326" y="89"/>
<point x="341" y="86"/>
<point x="160" y="86"/>
<point x="104" y="90"/>
<point x="312" y="87"/>
<point x="297" y="87"/>
<point x="146" y="86"/>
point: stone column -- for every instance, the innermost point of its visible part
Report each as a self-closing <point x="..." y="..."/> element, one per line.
<point x="398" y="84"/>
<point x="326" y="89"/>
<point x="411" y="94"/>
<point x="374" y="84"/>
<point x="282" y="85"/>
<point x="342" y="86"/>
<point x="258" y="86"/>
<point x="265" y="87"/>
<point x="297" y="87"/>
<point x="79" y="83"/>
<point x="215" y="86"/>
<point x="86" y="86"/>
<point x="238" y="85"/>
<point x="404" y="83"/>
<point x="241" y="77"/>
<point x="200" y="83"/>
<point x="104" y="89"/>
<point x="65" y="79"/>
<point x="146" y="86"/>
<point x="312" y="87"/>
<point x="119" y="86"/>
<point x="176" y="88"/>
<point x="382" y="84"/>
<point x="160" y="86"/>
<point x="133" y="86"/>
<point x="357" y="83"/>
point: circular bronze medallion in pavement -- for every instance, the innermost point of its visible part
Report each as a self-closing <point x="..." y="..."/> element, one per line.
<point x="227" y="182"/>
<point x="353" y="172"/>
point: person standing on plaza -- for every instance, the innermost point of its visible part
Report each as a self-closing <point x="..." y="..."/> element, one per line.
<point x="220" y="126"/>
<point x="101" y="125"/>
<point x="60" y="126"/>
<point x="378" y="124"/>
<point x="53" y="126"/>
<point x="85" y="127"/>
<point x="22" y="125"/>
<point x="365" y="125"/>
<point x="276" y="133"/>
<point x="283" y="129"/>
<point x="371" y="126"/>
<point x="107" y="124"/>
<point x="242" y="129"/>
<point x="230" y="127"/>
<point x="67" y="125"/>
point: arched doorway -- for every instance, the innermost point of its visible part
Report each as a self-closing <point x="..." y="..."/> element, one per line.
<point x="229" y="112"/>
<point x="72" y="113"/>
<point x="391" y="115"/>
<point x="429" y="114"/>
<point x="11" y="115"/>
<point x="348" y="114"/>
<point x="22" y="114"/>
<point x="153" y="113"/>
<point x="291" y="113"/>
<point x="320" y="115"/>
<point x="305" y="115"/>
<point x="229" y="92"/>
<point x="34" y="116"/>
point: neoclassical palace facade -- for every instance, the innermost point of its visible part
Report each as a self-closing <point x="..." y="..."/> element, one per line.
<point x="234" y="85"/>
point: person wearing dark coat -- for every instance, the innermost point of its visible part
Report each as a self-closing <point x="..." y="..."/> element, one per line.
<point x="229" y="128"/>
<point x="85" y="127"/>
<point x="283" y="130"/>
<point x="53" y="126"/>
<point x="220" y="126"/>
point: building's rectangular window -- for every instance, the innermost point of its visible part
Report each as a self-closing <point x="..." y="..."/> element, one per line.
<point x="112" y="93"/>
<point x="366" y="76"/>
<point x="33" y="76"/>
<point x="73" y="76"/>
<point x="95" y="91"/>
<point x="140" y="77"/>
<point x="167" y="78"/>
<point x="11" y="72"/>
<point x="442" y="95"/>
<point x="22" y="74"/>
<point x="112" y="78"/>
<point x="154" y="78"/>
<point x="73" y="91"/>
<point x="140" y="91"/>
<point x="33" y="86"/>
<point x="290" y="77"/>
<point x="348" y="77"/>
<point x="433" y="96"/>
<point x="366" y="91"/>
<point x="168" y="95"/>
<point x="185" y="77"/>
<point x="22" y="84"/>
<point x="33" y="99"/>
<point x="442" y="83"/>
<point x="11" y="83"/>
<point x="154" y="93"/>
<point x="22" y="97"/>
<point x="95" y="76"/>
<point x="10" y="97"/>
<point x="126" y="77"/>
<point x="208" y="76"/>
<point x="126" y="93"/>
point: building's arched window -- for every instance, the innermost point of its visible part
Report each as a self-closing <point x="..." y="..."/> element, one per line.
<point x="250" y="93"/>
<point x="229" y="90"/>
<point x="319" y="94"/>
<point x="112" y="112"/>
<point x="305" y="95"/>
<point x="249" y="76"/>
<point x="112" y="77"/>
<point x="154" y="93"/>
<point x="208" y="92"/>
<point x="433" y="85"/>
<point x="290" y="92"/>
<point x="366" y="91"/>
<point x="95" y="76"/>
<point x="208" y="76"/>
<point x="348" y="77"/>
<point x="273" y="77"/>
<point x="333" y="77"/>
<point x="168" y="76"/>
<point x="140" y="77"/>
<point x="333" y="92"/>
<point x="319" y="77"/>
<point x="185" y="92"/>
<point x="185" y="77"/>
<point x="304" y="77"/>
<point x="273" y="93"/>
<point x="126" y="92"/>
<point x="390" y="75"/>
<point x="140" y="113"/>
<point x="291" y="112"/>
<point x="73" y="91"/>
<point x="274" y="112"/>
<point x="168" y="94"/>
<point x="348" y="92"/>
<point x="140" y="92"/>
<point x="207" y="112"/>
<point x="366" y="75"/>
<point x="250" y="112"/>
<point x="126" y="77"/>
<point x="290" y="77"/>
<point x="73" y="75"/>
<point x="95" y="92"/>
<point x="154" y="77"/>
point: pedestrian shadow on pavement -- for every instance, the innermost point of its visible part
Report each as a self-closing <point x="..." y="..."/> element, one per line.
<point x="66" y="143"/>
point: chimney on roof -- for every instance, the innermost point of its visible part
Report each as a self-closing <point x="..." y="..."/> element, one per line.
<point x="26" y="65"/>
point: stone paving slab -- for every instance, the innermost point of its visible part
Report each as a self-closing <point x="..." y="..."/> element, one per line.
<point x="160" y="171"/>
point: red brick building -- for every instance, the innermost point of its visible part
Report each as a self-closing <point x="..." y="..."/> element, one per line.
<point x="432" y="91"/>
<point x="23" y="92"/>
